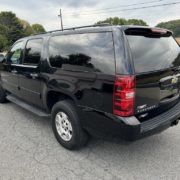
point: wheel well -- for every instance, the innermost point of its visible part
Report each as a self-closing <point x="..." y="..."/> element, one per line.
<point x="53" y="97"/>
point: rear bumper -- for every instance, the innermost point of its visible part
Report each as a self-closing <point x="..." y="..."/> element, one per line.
<point x="130" y="128"/>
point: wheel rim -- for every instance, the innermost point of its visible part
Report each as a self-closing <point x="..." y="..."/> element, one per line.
<point x="63" y="126"/>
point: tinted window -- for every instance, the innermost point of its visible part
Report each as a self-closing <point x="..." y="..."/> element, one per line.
<point x="93" y="51"/>
<point x="16" y="53"/>
<point x="33" y="51"/>
<point x="153" y="53"/>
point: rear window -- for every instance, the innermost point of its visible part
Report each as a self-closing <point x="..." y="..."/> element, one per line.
<point x="153" y="53"/>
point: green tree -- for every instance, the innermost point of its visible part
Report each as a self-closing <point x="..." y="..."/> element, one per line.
<point x="113" y="21"/>
<point x="14" y="29"/>
<point x="3" y="43"/>
<point x="3" y="40"/>
<point x="173" y="25"/>
<point x="3" y="30"/>
<point x="26" y="27"/>
<point x="122" y="21"/>
<point x="139" y="22"/>
<point x="38" y="28"/>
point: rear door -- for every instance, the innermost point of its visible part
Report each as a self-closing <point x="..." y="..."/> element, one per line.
<point x="156" y="57"/>
<point x="29" y="80"/>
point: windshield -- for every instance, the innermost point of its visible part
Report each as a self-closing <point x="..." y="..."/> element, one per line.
<point x="153" y="53"/>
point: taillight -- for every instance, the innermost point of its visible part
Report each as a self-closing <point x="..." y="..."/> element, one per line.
<point x="124" y="96"/>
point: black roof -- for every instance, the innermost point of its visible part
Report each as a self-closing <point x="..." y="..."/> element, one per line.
<point x="83" y="29"/>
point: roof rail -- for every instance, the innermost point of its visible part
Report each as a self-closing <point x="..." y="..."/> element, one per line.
<point x="74" y="28"/>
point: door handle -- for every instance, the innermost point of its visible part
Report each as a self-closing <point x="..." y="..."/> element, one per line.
<point x="34" y="75"/>
<point x="14" y="71"/>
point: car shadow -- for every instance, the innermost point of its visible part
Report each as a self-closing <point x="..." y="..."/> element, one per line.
<point x="144" y="147"/>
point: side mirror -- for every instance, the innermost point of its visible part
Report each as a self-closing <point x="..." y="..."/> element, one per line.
<point x="2" y="58"/>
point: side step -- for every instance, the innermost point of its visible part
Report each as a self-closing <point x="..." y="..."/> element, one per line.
<point x="28" y="107"/>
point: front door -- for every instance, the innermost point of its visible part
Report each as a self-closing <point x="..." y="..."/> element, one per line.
<point x="9" y="73"/>
<point x="29" y="70"/>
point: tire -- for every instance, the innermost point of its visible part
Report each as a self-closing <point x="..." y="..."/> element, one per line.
<point x="66" y="125"/>
<point x="2" y="95"/>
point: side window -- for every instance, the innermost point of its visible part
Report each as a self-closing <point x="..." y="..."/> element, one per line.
<point x="33" y="51"/>
<point x="90" y="52"/>
<point x="16" y="53"/>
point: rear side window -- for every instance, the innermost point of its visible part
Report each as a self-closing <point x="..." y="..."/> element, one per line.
<point x="33" y="51"/>
<point x="153" y="53"/>
<point x="89" y="52"/>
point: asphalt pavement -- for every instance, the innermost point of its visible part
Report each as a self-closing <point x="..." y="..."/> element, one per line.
<point x="28" y="150"/>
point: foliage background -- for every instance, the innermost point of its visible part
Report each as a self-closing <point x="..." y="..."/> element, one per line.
<point x="13" y="28"/>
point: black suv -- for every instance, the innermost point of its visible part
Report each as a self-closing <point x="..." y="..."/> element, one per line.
<point x="120" y="81"/>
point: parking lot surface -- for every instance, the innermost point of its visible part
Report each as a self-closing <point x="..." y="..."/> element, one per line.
<point x="28" y="150"/>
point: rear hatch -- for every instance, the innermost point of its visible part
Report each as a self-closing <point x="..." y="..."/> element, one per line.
<point x="156" y="60"/>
